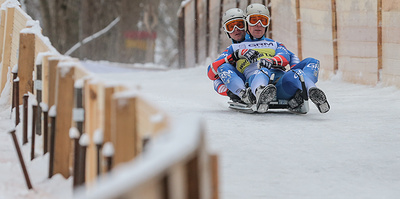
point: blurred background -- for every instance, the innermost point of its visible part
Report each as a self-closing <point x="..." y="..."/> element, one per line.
<point x="146" y="31"/>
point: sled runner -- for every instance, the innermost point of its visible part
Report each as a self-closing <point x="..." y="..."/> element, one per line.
<point x="301" y="98"/>
<point x="277" y="104"/>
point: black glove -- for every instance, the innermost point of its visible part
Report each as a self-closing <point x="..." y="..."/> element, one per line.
<point x="248" y="54"/>
<point x="264" y="63"/>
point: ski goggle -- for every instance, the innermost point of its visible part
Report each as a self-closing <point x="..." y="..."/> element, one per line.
<point x="229" y="26"/>
<point x="253" y="19"/>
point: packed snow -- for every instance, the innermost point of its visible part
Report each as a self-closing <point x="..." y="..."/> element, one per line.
<point x="353" y="151"/>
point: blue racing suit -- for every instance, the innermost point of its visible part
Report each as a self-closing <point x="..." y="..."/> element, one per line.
<point x="287" y="83"/>
<point x="223" y="69"/>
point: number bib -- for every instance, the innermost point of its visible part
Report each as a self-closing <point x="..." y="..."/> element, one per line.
<point x="265" y="48"/>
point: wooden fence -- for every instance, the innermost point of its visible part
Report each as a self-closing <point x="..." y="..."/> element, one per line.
<point x="81" y="103"/>
<point x="151" y="179"/>
<point x="358" y="39"/>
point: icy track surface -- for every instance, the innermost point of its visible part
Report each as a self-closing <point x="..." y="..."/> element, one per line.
<point x="353" y="151"/>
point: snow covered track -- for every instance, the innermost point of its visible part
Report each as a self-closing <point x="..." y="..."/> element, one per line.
<point x="350" y="152"/>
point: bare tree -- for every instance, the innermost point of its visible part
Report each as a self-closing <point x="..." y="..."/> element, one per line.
<point x="132" y="40"/>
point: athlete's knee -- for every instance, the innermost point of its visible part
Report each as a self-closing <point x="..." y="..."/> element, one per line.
<point x="225" y="67"/>
<point x="292" y="78"/>
<point x="312" y="69"/>
<point x="311" y="60"/>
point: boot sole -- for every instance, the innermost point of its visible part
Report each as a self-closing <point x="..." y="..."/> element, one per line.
<point x="318" y="97"/>
<point x="266" y="96"/>
<point x="296" y="101"/>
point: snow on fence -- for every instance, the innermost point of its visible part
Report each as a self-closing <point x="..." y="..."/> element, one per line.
<point x="358" y="39"/>
<point x="86" y="113"/>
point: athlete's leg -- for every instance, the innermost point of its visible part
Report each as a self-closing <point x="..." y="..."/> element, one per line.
<point x="231" y="79"/>
<point x="259" y="78"/>
<point x="310" y="67"/>
<point x="261" y="88"/>
<point x="288" y="85"/>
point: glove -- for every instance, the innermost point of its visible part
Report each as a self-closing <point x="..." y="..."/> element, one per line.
<point x="264" y="63"/>
<point x="248" y="54"/>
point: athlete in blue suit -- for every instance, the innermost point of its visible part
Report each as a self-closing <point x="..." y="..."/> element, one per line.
<point x="260" y="59"/>
<point x="234" y="27"/>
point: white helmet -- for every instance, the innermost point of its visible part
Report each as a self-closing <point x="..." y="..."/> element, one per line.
<point x="233" y="13"/>
<point x="257" y="8"/>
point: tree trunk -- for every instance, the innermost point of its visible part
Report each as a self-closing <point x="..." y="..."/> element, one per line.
<point x="132" y="40"/>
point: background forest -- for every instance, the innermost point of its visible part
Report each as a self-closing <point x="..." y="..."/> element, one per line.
<point x="146" y="30"/>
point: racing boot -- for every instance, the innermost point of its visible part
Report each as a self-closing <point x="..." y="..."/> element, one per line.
<point x="299" y="103"/>
<point x="318" y="97"/>
<point x="234" y="97"/>
<point x="247" y="96"/>
<point x="296" y="101"/>
<point x="264" y="95"/>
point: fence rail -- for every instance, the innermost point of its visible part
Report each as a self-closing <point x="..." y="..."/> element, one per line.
<point x="357" y="39"/>
<point x="86" y="113"/>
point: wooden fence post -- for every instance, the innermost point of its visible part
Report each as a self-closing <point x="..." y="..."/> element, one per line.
<point x="16" y="99"/>
<point x="93" y="116"/>
<point x="38" y="88"/>
<point x="21" y="160"/>
<point x="74" y="134"/>
<point x="52" y="77"/>
<point x="84" y="142"/>
<point x="33" y="134"/>
<point x="267" y="3"/>
<point x="52" y="115"/>
<point x="181" y="35"/>
<point x="14" y="90"/>
<point x="221" y="13"/>
<point x="109" y="91"/>
<point x="2" y="32"/>
<point x="64" y="104"/>
<point x="196" y="34"/>
<point x="45" y="109"/>
<point x="7" y="46"/>
<point x="25" y="120"/>
<point x="298" y="20"/>
<point x="46" y="77"/>
<point x="98" y="140"/>
<point x="380" y="61"/>
<point x="26" y="62"/>
<point x="108" y="153"/>
<point x="214" y="176"/>
<point x="124" y="127"/>
<point x="193" y="178"/>
<point x="78" y="112"/>
<point x="334" y="37"/>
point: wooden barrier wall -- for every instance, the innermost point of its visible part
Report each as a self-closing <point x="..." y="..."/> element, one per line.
<point x="357" y="39"/>
<point x="127" y="120"/>
<point x="390" y="71"/>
